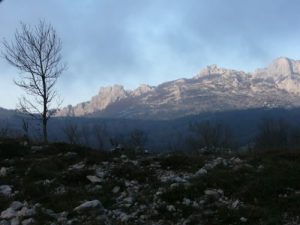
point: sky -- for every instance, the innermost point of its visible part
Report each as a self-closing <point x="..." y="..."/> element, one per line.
<point x="133" y="42"/>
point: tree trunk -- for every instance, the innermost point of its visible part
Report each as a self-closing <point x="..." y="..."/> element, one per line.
<point x="45" y="131"/>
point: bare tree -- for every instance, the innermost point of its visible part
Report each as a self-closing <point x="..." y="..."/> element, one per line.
<point x="138" y="139"/>
<point x="4" y="130"/>
<point x="85" y="132"/>
<point x="36" y="52"/>
<point x="211" y="135"/>
<point x="273" y="134"/>
<point x="72" y="133"/>
<point x="100" y="133"/>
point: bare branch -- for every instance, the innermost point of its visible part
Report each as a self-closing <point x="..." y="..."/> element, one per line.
<point x="36" y="52"/>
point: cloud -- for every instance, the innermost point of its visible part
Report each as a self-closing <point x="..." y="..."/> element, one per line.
<point x="151" y="41"/>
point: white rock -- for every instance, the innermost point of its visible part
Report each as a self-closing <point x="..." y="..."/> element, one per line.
<point x="89" y="205"/>
<point x="171" y="208"/>
<point x="237" y="160"/>
<point x="8" y="213"/>
<point x="174" y="185"/>
<point x="28" y="221"/>
<point x="123" y="217"/>
<point x="235" y="204"/>
<point x="15" y="221"/>
<point x="116" y="189"/>
<point x="260" y="168"/>
<point x="100" y="173"/>
<point x="94" y="179"/>
<point x="124" y="157"/>
<point x="26" y="212"/>
<point x="179" y="180"/>
<point x="201" y="172"/>
<point x="3" y="172"/>
<point x="5" y="190"/>
<point x="37" y="148"/>
<point x="186" y="201"/>
<point x="70" y="154"/>
<point x="243" y="219"/>
<point x="78" y="166"/>
<point x="128" y="200"/>
<point x="212" y="192"/>
<point x="195" y="204"/>
<point x="16" y="205"/>
<point x="4" y="222"/>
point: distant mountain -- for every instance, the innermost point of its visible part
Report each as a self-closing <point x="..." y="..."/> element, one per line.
<point x="6" y="114"/>
<point x="214" y="89"/>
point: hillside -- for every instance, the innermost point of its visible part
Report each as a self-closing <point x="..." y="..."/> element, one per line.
<point x="81" y="186"/>
<point x="214" y="89"/>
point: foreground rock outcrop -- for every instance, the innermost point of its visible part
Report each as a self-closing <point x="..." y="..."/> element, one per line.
<point x="64" y="184"/>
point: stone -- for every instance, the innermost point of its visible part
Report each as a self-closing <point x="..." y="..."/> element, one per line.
<point x="179" y="180"/>
<point x="100" y="173"/>
<point x="8" y="213"/>
<point x="186" y="201"/>
<point x="4" y="222"/>
<point x="60" y="190"/>
<point x="15" y="221"/>
<point x="116" y="189"/>
<point x="174" y="185"/>
<point x="124" y="157"/>
<point x="128" y="200"/>
<point x="28" y="221"/>
<point x="171" y="208"/>
<point x="5" y="190"/>
<point x="237" y="160"/>
<point x="235" y="204"/>
<point x="26" y="212"/>
<point x="260" y="168"/>
<point x="208" y="212"/>
<point x="70" y="154"/>
<point x="36" y="148"/>
<point x="89" y="205"/>
<point x="123" y="217"/>
<point x="243" y="219"/>
<point x="78" y="166"/>
<point x="16" y="205"/>
<point x="201" y="172"/>
<point x="94" y="179"/>
<point x="212" y="192"/>
<point x="3" y="172"/>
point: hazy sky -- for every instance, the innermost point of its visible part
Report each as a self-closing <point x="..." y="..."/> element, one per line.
<point x="130" y="42"/>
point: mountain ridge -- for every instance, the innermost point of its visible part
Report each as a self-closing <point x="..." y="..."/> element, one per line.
<point x="212" y="89"/>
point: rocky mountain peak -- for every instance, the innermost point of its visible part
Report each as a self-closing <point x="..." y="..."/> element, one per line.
<point x="115" y="90"/>
<point x="215" y="70"/>
<point x="142" y="89"/>
<point x="108" y="95"/>
<point x="213" y="89"/>
<point x="281" y="66"/>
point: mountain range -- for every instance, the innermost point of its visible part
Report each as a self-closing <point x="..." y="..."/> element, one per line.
<point x="213" y="89"/>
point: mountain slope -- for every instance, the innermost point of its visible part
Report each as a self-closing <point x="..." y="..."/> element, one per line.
<point x="213" y="89"/>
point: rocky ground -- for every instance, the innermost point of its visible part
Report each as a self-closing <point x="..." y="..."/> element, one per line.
<point x="63" y="184"/>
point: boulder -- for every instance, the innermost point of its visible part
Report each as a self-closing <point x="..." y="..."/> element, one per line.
<point x="8" y="214"/>
<point x="28" y="221"/>
<point x="89" y="205"/>
<point x="16" y="205"/>
<point x="201" y="172"/>
<point x="5" y="190"/>
<point x="94" y="179"/>
<point x="26" y="212"/>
